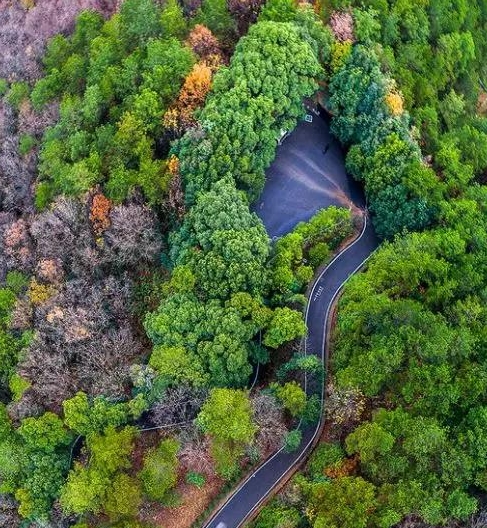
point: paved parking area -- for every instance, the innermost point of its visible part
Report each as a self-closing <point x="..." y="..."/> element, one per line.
<point x="303" y="179"/>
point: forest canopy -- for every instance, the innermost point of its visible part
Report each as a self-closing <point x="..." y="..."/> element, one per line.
<point x="140" y="293"/>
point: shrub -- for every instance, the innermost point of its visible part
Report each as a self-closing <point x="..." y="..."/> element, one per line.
<point x="292" y="396"/>
<point x="278" y="515"/>
<point x="44" y="193"/>
<point x="16" y="281"/>
<point x="18" y="385"/>
<point x="26" y="144"/>
<point x="3" y="87"/>
<point x="292" y="440"/>
<point x="312" y="411"/>
<point x="325" y="455"/>
<point x="19" y="91"/>
<point x="319" y="254"/>
<point x="159" y="473"/>
<point x="196" y="479"/>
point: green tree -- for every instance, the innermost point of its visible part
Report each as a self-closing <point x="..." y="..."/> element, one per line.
<point x="234" y="243"/>
<point x="115" y="80"/>
<point x="33" y="462"/>
<point x="11" y="344"/>
<point x="139" y="21"/>
<point x="285" y="325"/>
<point x="471" y="143"/>
<point x="278" y="515"/>
<point x="452" y="107"/>
<point x="219" y="336"/>
<point x="178" y="365"/>
<point x="236" y="116"/>
<point x="160" y="471"/>
<point x="292" y="396"/>
<point x="86" y="417"/>
<point x="279" y="11"/>
<point x="57" y="52"/>
<point x="101" y="485"/>
<point x="325" y="456"/>
<point x="292" y="440"/>
<point x="346" y="502"/>
<point x="214" y="15"/>
<point x="173" y="23"/>
<point x="366" y="26"/>
<point x="123" y="497"/>
<point x="26" y="144"/>
<point x="88" y="26"/>
<point x="45" y="433"/>
<point x="382" y="152"/>
<point x="227" y="415"/>
<point x="227" y="418"/>
<point x="46" y="89"/>
<point x="17" y="94"/>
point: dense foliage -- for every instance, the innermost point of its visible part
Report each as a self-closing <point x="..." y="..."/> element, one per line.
<point x="116" y="78"/>
<point x="407" y="334"/>
<point x="431" y="367"/>
<point x="399" y="187"/>
<point x="434" y="52"/>
<point x="298" y="254"/>
<point x="144" y="143"/>
<point x="252" y="101"/>
<point x="34" y="460"/>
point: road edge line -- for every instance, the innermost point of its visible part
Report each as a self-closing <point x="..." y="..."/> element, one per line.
<point x="236" y="490"/>
<point x="309" y="446"/>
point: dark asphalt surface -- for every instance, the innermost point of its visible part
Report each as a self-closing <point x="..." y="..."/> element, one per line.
<point x="318" y="188"/>
<point x="302" y="179"/>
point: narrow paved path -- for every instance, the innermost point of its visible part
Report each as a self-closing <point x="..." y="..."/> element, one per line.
<point x="256" y="488"/>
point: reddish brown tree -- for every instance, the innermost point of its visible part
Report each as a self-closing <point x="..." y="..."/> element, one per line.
<point x="195" y="87"/>
<point x="203" y="42"/>
<point x="178" y="405"/>
<point x="245" y="12"/>
<point x="50" y="270"/>
<point x="192" y="95"/>
<point x="9" y="517"/>
<point x="17" y="246"/>
<point x="100" y="213"/>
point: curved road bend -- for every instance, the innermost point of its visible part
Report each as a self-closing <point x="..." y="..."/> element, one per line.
<point x="257" y="487"/>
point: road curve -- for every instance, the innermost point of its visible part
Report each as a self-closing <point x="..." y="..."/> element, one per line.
<point x="257" y="487"/>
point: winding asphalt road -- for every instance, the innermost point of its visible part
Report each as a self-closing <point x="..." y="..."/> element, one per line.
<point x="249" y="495"/>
